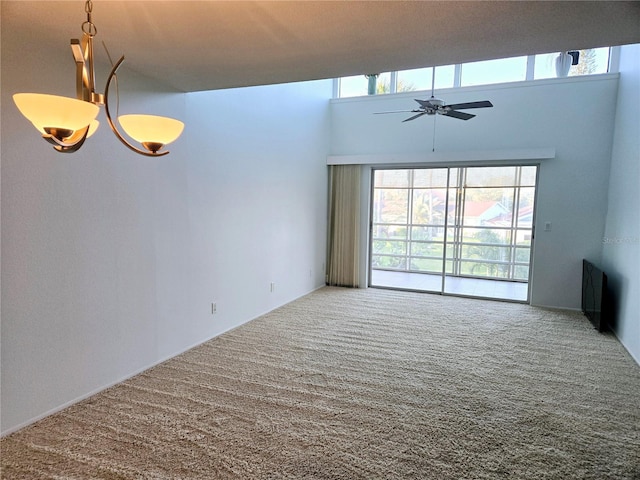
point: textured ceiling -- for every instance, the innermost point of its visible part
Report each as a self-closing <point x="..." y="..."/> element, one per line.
<point x="205" y="45"/>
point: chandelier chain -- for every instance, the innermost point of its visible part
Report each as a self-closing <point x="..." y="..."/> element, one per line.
<point x="89" y="27"/>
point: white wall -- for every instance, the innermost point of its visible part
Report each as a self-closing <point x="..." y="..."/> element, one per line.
<point x="575" y="116"/>
<point x="258" y="197"/>
<point x="621" y="245"/>
<point x="110" y="260"/>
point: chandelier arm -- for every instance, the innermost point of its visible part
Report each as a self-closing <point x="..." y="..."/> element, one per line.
<point x="72" y="144"/>
<point x="112" y="124"/>
<point x="85" y="71"/>
<point x="89" y="73"/>
<point x="71" y="149"/>
<point x="78" y="56"/>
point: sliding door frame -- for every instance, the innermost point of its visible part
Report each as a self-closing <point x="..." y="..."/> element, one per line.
<point x="457" y="191"/>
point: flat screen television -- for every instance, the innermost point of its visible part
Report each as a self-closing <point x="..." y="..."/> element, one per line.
<point x="594" y="295"/>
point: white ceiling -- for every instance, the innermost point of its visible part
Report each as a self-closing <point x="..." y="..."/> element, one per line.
<point x="206" y="45"/>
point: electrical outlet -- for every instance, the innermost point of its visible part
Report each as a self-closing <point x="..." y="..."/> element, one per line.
<point x="214" y="308"/>
<point x="273" y="287"/>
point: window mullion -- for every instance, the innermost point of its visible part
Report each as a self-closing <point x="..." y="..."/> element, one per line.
<point x="515" y="209"/>
<point x="393" y="82"/>
<point x="457" y="75"/>
<point x="409" y="220"/>
<point x="531" y="67"/>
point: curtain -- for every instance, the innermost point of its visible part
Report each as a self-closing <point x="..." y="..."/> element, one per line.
<point x="344" y="226"/>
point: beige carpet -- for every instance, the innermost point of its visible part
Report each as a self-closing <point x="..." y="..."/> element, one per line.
<point x="362" y="384"/>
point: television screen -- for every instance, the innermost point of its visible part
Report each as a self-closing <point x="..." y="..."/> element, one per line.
<point x="594" y="288"/>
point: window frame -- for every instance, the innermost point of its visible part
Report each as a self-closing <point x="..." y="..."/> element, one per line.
<point x="612" y="67"/>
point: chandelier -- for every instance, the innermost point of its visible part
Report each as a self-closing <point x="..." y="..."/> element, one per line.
<point x="67" y="122"/>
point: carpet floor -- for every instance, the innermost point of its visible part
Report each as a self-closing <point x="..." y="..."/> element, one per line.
<point x="361" y="384"/>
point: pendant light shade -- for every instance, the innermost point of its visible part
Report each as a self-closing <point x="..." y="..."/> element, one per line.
<point x="151" y="128"/>
<point x="93" y="126"/>
<point x="55" y="112"/>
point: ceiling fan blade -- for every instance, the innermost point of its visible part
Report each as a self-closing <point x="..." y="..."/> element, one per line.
<point x="464" y="106"/>
<point x="415" y="116"/>
<point x="460" y="115"/>
<point x="424" y="103"/>
<point x="396" y="111"/>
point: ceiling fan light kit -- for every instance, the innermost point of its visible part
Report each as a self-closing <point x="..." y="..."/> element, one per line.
<point x="67" y="122"/>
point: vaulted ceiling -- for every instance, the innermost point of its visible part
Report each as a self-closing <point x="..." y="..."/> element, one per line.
<point x="206" y="45"/>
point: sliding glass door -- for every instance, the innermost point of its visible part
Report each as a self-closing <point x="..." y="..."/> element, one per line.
<point x="462" y="230"/>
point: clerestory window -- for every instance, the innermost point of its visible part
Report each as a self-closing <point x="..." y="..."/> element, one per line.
<point x="502" y="70"/>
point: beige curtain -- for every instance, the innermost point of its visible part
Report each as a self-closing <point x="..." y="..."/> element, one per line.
<point x="344" y="226"/>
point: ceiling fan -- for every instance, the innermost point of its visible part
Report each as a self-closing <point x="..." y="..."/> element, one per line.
<point x="435" y="105"/>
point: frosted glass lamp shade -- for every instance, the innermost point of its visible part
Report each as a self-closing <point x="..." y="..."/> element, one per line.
<point x="151" y="129"/>
<point x="52" y="111"/>
<point x="93" y="126"/>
